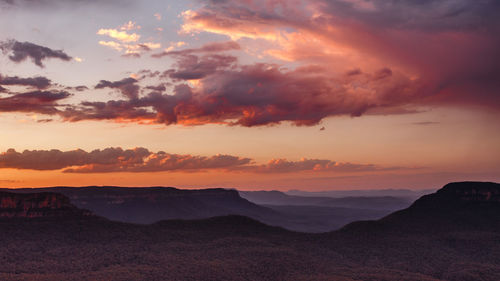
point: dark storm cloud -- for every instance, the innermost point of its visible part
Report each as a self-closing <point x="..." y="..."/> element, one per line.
<point x="425" y="15"/>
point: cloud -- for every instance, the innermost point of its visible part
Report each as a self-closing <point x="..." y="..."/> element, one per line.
<point x="112" y="44"/>
<point x="130" y="25"/>
<point x="43" y="102"/>
<point x="214" y="47"/>
<point x="285" y="166"/>
<point x="81" y="88"/>
<point x="127" y="86"/>
<point x="157" y="88"/>
<point x="127" y="42"/>
<point x="37" y="82"/>
<point x="122" y="36"/>
<point x="114" y="160"/>
<point x="250" y="95"/>
<point x="429" y="15"/>
<point x="191" y="67"/>
<point x="450" y="45"/>
<point x="131" y="50"/>
<point x="138" y="160"/>
<point x="20" y="51"/>
<point x="331" y="58"/>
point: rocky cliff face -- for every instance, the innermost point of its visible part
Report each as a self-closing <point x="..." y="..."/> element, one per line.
<point x="34" y="205"/>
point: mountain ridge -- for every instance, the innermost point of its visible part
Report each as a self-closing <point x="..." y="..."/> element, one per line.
<point x="406" y="245"/>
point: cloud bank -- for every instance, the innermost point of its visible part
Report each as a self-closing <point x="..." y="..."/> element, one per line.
<point x="330" y="58"/>
<point x="139" y="160"/>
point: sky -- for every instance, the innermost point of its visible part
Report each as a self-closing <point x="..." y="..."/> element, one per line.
<point x="252" y="94"/>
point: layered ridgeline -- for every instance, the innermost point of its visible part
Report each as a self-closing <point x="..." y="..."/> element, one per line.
<point x="453" y="234"/>
<point x="149" y="205"/>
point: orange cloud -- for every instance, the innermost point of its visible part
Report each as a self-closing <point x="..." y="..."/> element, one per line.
<point x="195" y="22"/>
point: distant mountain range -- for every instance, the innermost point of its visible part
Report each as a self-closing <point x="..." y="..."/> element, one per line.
<point x="359" y="202"/>
<point x="149" y="205"/>
<point x="452" y="234"/>
<point x="407" y="193"/>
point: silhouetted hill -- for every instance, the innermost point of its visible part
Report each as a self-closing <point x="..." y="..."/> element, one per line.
<point x="452" y="234"/>
<point x="449" y="235"/>
<point x="463" y="205"/>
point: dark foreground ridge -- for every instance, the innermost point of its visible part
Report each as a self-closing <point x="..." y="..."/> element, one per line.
<point x="453" y="234"/>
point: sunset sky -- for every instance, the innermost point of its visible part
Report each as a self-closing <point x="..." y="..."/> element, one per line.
<point x="250" y="94"/>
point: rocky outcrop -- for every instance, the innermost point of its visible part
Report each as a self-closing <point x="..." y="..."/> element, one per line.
<point x="471" y="191"/>
<point x="461" y="194"/>
<point x="35" y="205"/>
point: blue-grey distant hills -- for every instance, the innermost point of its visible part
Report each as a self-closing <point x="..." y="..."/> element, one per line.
<point x="389" y="203"/>
<point x="407" y="193"/>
